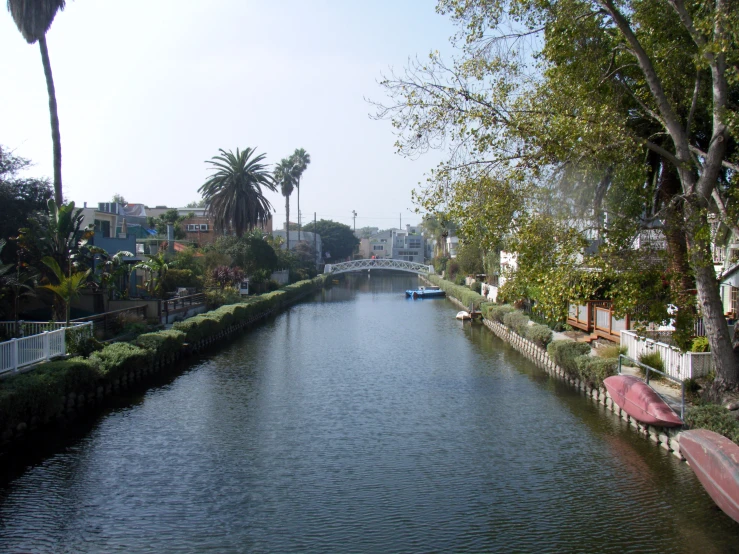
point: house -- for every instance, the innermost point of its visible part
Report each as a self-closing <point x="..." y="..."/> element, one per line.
<point x="409" y="245"/>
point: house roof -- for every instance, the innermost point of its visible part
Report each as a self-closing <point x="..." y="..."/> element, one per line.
<point x="728" y="272"/>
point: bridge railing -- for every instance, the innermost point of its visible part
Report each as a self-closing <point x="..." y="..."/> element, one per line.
<point x="369" y="264"/>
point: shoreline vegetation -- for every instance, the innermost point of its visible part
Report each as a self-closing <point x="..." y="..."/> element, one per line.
<point x="56" y="390"/>
<point x="573" y="360"/>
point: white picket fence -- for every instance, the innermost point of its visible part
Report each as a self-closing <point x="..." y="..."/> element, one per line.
<point x="677" y="364"/>
<point x="28" y="328"/>
<point x="18" y="353"/>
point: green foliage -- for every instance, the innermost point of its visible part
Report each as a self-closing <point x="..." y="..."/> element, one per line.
<point x="700" y="344"/>
<point x="593" y="370"/>
<point x="119" y="358"/>
<point x="234" y="192"/>
<point x="460" y="292"/>
<point x="476" y="286"/>
<point x="80" y="344"/>
<point x="541" y="335"/>
<point x="218" y="297"/>
<point x="336" y="238"/>
<point x="175" y="278"/>
<point x="653" y="360"/>
<point x="497" y="312"/>
<point x="440" y="264"/>
<point x="516" y="321"/>
<point x="161" y="344"/>
<point x="170" y="217"/>
<point x="611" y="351"/>
<point x="39" y="393"/>
<point x="714" y="418"/>
<point x="251" y="253"/>
<point x="470" y="257"/>
<point x="564" y="352"/>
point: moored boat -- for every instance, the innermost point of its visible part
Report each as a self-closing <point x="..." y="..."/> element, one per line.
<point x="463" y="315"/>
<point x="715" y="461"/>
<point x="425" y="292"/>
<point x="640" y="401"/>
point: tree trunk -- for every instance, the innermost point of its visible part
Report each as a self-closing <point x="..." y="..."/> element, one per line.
<point x="287" y="221"/>
<point x="55" y="136"/>
<point x="298" y="187"/>
<point x="725" y="359"/>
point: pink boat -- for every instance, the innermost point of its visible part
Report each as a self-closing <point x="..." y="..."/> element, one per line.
<point x="715" y="460"/>
<point x="640" y="401"/>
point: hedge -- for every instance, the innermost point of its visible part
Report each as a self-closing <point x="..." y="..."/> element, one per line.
<point x="516" y="321"/>
<point x="40" y="393"/>
<point x="594" y="370"/>
<point x="497" y="312"/>
<point x="564" y="352"/>
<point x="540" y="335"/>
<point x="714" y="418"/>
<point x="460" y="292"/>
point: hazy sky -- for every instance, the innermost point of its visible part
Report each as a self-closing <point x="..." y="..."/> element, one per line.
<point x="150" y="89"/>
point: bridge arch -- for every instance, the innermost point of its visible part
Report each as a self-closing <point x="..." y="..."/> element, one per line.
<point x="362" y="265"/>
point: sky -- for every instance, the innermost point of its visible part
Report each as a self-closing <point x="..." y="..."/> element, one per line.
<point x="150" y="90"/>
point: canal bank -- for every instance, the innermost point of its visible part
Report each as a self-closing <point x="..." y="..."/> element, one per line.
<point x="60" y="391"/>
<point x="667" y="438"/>
<point x="359" y="421"/>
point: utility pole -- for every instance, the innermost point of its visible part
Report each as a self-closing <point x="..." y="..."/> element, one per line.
<point x="355" y="220"/>
<point x="400" y="220"/>
<point x="315" y="240"/>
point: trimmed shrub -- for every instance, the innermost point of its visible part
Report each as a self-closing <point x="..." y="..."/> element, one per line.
<point x="476" y="286"/>
<point x="119" y="358"/>
<point x="498" y="311"/>
<point x="40" y="392"/>
<point x="593" y="370"/>
<point x="219" y="297"/>
<point x="162" y="343"/>
<point x="79" y="344"/>
<point x="540" y="335"/>
<point x="564" y="352"/>
<point x="714" y="418"/>
<point x="460" y="292"/>
<point x="516" y="321"/>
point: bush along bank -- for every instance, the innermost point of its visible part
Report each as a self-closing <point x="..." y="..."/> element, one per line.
<point x="61" y="389"/>
<point x="567" y="360"/>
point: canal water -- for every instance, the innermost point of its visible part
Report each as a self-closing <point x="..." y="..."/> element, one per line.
<point x="359" y="421"/>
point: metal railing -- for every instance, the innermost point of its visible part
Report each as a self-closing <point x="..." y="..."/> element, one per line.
<point x="647" y="369"/>
<point x="17" y="353"/>
<point x="178" y="303"/>
<point x="110" y="322"/>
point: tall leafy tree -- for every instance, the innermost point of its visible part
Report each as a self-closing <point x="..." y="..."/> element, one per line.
<point x="300" y="160"/>
<point x="337" y="239"/>
<point x="285" y="178"/>
<point x="234" y="193"/>
<point x="567" y="106"/>
<point x="34" y="18"/>
<point x="68" y="287"/>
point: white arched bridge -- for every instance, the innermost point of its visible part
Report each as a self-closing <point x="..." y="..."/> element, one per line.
<point x="362" y="265"/>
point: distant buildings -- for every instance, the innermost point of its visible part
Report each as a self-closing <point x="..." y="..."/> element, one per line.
<point x="397" y="244"/>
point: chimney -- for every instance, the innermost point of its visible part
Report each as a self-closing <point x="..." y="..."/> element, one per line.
<point x="85" y="204"/>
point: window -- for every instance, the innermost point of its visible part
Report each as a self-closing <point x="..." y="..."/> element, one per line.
<point x="378" y="247"/>
<point x="103" y="227"/>
<point x="410" y="253"/>
<point x="203" y="226"/>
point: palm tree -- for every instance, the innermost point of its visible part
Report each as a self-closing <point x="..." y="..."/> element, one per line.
<point x="233" y="194"/>
<point x="284" y="177"/>
<point x="69" y="286"/>
<point x="300" y="160"/>
<point x="156" y="268"/>
<point x="34" y="18"/>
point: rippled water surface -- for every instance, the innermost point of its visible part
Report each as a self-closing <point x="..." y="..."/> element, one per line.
<point x="358" y="422"/>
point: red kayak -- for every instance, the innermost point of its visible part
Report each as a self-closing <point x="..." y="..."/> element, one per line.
<point x="715" y="460"/>
<point x="640" y="401"/>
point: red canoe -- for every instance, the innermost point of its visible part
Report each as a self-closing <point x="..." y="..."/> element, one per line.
<point x="640" y="401"/>
<point x="715" y="460"/>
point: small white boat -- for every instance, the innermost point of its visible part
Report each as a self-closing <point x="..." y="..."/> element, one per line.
<point x="464" y="316"/>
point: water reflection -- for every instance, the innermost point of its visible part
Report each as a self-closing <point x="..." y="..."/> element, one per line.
<point x="360" y="422"/>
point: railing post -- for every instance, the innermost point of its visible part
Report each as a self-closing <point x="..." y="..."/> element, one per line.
<point x="14" y="354"/>
<point x="45" y="340"/>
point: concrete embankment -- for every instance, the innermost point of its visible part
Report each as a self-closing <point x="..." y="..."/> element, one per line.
<point x="667" y="438"/>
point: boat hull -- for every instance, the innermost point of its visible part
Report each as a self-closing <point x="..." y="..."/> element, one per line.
<point x="425" y="293"/>
<point x="715" y="461"/>
<point x="640" y="401"/>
